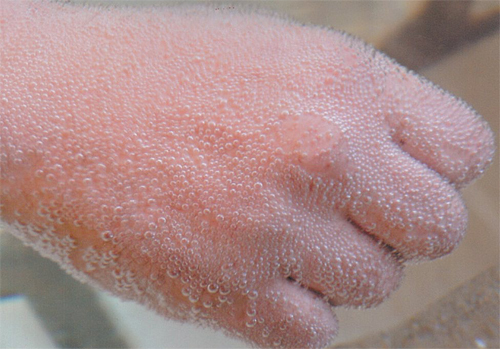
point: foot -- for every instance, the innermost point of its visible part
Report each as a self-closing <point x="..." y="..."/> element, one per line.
<point x="225" y="167"/>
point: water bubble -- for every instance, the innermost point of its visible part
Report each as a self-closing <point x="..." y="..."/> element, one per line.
<point x="251" y="322"/>
<point x="251" y="312"/>
<point x="222" y="299"/>
<point x="224" y="290"/>
<point x="220" y="218"/>
<point x="253" y="294"/>
<point x="212" y="288"/>
<point x="107" y="235"/>
<point x="258" y="186"/>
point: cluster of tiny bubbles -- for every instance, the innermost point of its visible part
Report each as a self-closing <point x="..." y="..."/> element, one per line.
<point x="94" y="259"/>
<point x="47" y="242"/>
<point x="127" y="281"/>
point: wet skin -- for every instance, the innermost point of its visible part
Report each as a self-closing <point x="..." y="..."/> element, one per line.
<point x="235" y="169"/>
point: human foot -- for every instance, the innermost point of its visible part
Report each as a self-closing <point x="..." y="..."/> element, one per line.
<point x="198" y="162"/>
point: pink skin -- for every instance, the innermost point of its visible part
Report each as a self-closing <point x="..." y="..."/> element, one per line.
<point x="197" y="161"/>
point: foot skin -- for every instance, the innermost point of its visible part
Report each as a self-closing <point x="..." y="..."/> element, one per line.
<point x="230" y="168"/>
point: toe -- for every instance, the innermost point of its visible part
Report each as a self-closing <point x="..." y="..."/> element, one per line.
<point x="348" y="266"/>
<point x="282" y="315"/>
<point x="405" y="204"/>
<point x="436" y="128"/>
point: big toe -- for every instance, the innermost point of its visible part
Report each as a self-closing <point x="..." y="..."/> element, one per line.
<point x="437" y="129"/>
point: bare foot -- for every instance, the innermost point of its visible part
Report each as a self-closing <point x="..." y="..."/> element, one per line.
<point x="230" y="168"/>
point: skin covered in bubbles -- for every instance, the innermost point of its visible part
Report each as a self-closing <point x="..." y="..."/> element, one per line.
<point x="197" y="161"/>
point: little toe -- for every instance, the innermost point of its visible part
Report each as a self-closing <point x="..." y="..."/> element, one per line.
<point x="347" y="266"/>
<point x="436" y="128"/>
<point x="284" y="315"/>
<point x="405" y="204"/>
